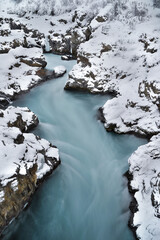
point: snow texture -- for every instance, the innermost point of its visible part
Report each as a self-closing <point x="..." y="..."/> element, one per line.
<point x="21" y="150"/>
<point x="59" y="71"/>
<point x="117" y="46"/>
<point x="145" y="168"/>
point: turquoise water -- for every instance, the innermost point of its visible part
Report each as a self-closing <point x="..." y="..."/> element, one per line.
<point x="86" y="198"/>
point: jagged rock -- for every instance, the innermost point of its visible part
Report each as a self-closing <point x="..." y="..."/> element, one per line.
<point x="45" y="74"/>
<point x="34" y="62"/>
<point x="15" y="25"/>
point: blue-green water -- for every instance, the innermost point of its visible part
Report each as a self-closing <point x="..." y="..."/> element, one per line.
<point x="86" y="198"/>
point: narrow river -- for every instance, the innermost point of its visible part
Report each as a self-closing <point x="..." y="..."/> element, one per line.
<point x="86" y="198"/>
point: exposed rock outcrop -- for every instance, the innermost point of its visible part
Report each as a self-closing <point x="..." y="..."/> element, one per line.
<point x="26" y="160"/>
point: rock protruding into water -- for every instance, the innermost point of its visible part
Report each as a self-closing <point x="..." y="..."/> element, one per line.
<point x="21" y="57"/>
<point x="59" y="71"/>
<point x="26" y="160"/>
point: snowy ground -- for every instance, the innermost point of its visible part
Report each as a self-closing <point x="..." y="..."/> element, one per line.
<point x="117" y="46"/>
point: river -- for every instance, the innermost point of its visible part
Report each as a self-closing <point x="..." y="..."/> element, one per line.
<point x="86" y="198"/>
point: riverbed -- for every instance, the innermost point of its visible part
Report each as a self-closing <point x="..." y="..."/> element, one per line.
<point x="87" y="197"/>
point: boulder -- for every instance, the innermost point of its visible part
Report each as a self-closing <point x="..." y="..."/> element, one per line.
<point x="59" y="71"/>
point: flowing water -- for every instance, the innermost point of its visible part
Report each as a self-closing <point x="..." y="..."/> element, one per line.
<point x="86" y="198"/>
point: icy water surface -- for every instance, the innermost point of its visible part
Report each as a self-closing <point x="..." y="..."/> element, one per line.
<point x="86" y="198"/>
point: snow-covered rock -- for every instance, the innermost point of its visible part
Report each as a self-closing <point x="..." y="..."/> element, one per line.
<point x="59" y="71"/>
<point x="122" y="57"/>
<point x="25" y="160"/>
<point x="145" y="171"/>
<point x="22" y="61"/>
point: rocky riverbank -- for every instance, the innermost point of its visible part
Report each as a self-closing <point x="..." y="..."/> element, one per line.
<point x="124" y="60"/>
<point x="117" y="49"/>
<point x="26" y="160"/>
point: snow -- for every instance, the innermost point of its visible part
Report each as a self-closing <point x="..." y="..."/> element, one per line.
<point x="145" y="168"/>
<point x="120" y="56"/>
<point x="14" y="185"/>
<point x="12" y="81"/>
<point x="52" y="152"/>
<point x="1" y="196"/>
<point x="22" y="156"/>
<point x="59" y="70"/>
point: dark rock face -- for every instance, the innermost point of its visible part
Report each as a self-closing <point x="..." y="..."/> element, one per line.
<point x="15" y="200"/>
<point x="4" y="101"/>
<point x="21" y="124"/>
<point x="34" y="62"/>
<point x="45" y="74"/>
<point x="79" y="85"/>
<point x="100" y="115"/>
<point x="15" y="25"/>
<point x="4" y="50"/>
<point x="133" y="204"/>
